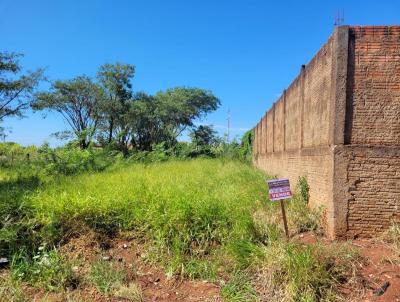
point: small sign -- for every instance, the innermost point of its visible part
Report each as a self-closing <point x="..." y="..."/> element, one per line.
<point x="279" y="189"/>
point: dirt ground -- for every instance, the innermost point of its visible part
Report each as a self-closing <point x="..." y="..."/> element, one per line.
<point x="377" y="268"/>
<point x="154" y="283"/>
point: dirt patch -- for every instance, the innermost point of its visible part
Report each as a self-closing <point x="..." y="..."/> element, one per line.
<point x="382" y="267"/>
<point x="130" y="255"/>
<point x="379" y="271"/>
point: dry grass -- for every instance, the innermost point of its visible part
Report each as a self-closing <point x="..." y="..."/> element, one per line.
<point x="294" y="272"/>
<point x="131" y="292"/>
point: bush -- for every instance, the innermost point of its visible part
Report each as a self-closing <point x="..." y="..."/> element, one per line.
<point x="304" y="189"/>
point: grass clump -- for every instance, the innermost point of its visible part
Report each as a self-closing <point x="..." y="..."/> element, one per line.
<point x="17" y="222"/>
<point x="302" y="217"/>
<point x="10" y="290"/>
<point x="47" y="269"/>
<point x="393" y="236"/>
<point x="239" y="289"/>
<point x="131" y="292"/>
<point x="294" y="272"/>
<point x="107" y="277"/>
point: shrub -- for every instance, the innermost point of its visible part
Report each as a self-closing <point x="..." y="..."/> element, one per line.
<point x="304" y="189"/>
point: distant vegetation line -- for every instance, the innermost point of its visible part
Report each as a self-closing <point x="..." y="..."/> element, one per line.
<point x="106" y="111"/>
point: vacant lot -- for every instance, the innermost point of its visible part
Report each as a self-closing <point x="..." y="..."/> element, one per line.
<point x="195" y="230"/>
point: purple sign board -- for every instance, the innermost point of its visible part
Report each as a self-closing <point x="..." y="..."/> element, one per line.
<point x="279" y="189"/>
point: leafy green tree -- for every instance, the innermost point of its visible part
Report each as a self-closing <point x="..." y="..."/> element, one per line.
<point x="180" y="107"/>
<point x="16" y="89"/>
<point x="163" y="117"/>
<point x="246" y="146"/>
<point x="78" y="101"/>
<point x="116" y="81"/>
<point x="145" y="122"/>
<point x="203" y="137"/>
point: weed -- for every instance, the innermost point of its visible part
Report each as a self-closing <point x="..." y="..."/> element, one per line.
<point x="239" y="289"/>
<point x="303" y="218"/>
<point x="46" y="270"/>
<point x="107" y="277"/>
<point x="392" y="236"/>
<point x="131" y="292"/>
<point x="192" y="268"/>
<point x="304" y="189"/>
<point x="10" y="290"/>
<point x="294" y="272"/>
<point x="244" y="252"/>
<point x="17" y="223"/>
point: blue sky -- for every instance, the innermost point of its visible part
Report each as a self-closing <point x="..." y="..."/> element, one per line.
<point x="246" y="52"/>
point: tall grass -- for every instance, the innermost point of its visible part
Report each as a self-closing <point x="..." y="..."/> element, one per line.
<point x="186" y="208"/>
<point x="202" y="218"/>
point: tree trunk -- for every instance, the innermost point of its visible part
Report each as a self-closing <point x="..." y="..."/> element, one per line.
<point x="83" y="144"/>
<point x="110" y="130"/>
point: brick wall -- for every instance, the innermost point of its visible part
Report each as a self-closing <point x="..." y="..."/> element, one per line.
<point x="371" y="187"/>
<point x="338" y="124"/>
<point x="374" y="115"/>
<point x="301" y="117"/>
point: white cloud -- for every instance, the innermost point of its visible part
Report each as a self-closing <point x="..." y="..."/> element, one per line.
<point x="217" y="126"/>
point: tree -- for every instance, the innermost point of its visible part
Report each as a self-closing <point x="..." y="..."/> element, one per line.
<point x="116" y="81"/>
<point x="204" y="137"/>
<point x="180" y="107"/>
<point x="16" y="90"/>
<point x="77" y="100"/>
<point x="163" y="117"/>
<point x="144" y="122"/>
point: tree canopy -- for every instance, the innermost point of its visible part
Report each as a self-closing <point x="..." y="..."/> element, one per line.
<point x="78" y="101"/>
<point x="16" y="89"/>
<point x="109" y="110"/>
<point x="116" y="82"/>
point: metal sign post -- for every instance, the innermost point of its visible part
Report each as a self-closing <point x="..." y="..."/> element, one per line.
<point x="279" y="189"/>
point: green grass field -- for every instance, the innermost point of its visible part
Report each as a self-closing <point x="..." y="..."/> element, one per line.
<point x="201" y="219"/>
